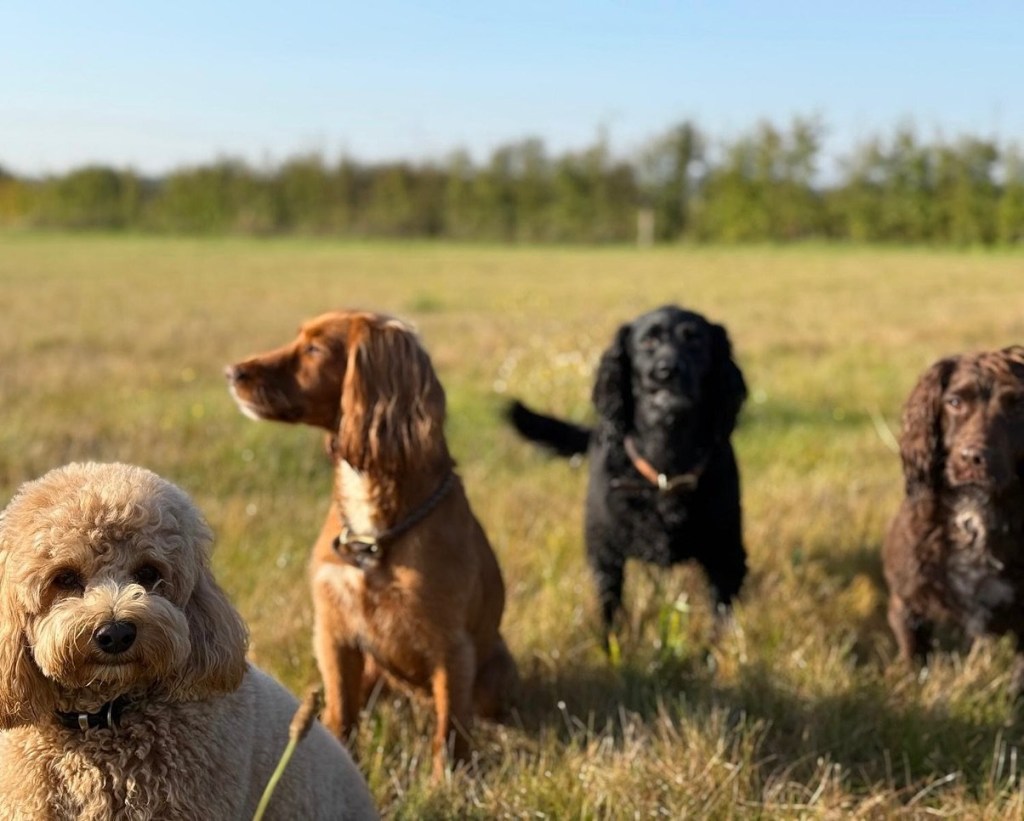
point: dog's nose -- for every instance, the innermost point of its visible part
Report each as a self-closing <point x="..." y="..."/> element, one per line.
<point x="664" y="368"/>
<point x="235" y="373"/>
<point x="115" y="637"/>
<point x="975" y="457"/>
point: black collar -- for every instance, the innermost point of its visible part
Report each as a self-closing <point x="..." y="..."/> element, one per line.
<point x="106" y="717"/>
<point x="364" y="551"/>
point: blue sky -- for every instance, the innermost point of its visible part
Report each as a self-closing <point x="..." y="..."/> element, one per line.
<point x="154" y="86"/>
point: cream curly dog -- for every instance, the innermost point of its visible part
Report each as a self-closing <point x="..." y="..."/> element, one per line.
<point x="124" y="689"/>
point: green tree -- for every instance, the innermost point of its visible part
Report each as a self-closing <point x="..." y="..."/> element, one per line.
<point x="1010" y="207"/>
<point x="90" y="197"/>
<point x="669" y="174"/>
<point x="966" y="192"/>
<point x="764" y="187"/>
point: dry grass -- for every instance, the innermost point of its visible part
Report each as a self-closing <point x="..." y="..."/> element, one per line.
<point x="113" y="349"/>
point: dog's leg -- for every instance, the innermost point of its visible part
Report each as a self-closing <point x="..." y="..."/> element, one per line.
<point x="452" y="685"/>
<point x="341" y="668"/>
<point x="726" y="572"/>
<point x="1017" y="676"/>
<point x="609" y="576"/>
<point x="913" y="634"/>
<point x="496" y="684"/>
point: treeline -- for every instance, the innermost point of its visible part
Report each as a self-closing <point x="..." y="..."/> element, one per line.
<point x="765" y="185"/>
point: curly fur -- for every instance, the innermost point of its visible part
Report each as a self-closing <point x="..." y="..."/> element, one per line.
<point x="427" y="613"/>
<point x="955" y="550"/>
<point x="92" y="545"/>
<point x="667" y="381"/>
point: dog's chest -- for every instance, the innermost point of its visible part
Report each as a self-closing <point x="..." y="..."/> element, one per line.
<point x="977" y="577"/>
<point x="378" y="617"/>
<point x="654" y="526"/>
<point x="135" y="773"/>
<point x="375" y="609"/>
<point x="358" y="500"/>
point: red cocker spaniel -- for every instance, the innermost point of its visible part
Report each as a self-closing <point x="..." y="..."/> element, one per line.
<point x="405" y="582"/>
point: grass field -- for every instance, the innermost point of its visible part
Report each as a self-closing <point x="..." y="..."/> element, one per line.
<point x="113" y="348"/>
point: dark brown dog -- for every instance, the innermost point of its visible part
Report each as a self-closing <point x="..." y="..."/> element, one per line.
<point x="404" y="579"/>
<point x="955" y="551"/>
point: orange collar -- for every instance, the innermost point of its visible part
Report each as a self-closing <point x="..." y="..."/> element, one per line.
<point x="666" y="484"/>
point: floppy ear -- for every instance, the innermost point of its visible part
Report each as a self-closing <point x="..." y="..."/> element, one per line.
<point x="724" y="387"/>
<point x="921" y="436"/>
<point x="25" y="693"/>
<point x="392" y="404"/>
<point x="218" y="637"/>
<point x="613" y="387"/>
<point x="1015" y="355"/>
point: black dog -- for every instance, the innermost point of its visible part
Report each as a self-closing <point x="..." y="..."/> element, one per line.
<point x="664" y="485"/>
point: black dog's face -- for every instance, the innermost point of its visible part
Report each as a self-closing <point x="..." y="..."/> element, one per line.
<point x="670" y="352"/>
<point x="670" y="373"/>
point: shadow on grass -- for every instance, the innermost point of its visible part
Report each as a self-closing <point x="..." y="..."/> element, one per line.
<point x="860" y="608"/>
<point x="863" y="608"/>
<point x="879" y="736"/>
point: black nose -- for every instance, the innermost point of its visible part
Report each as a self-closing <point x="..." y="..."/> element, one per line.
<point x="664" y="367"/>
<point x="115" y="637"/>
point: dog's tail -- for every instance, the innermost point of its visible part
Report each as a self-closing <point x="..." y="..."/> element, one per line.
<point x="561" y="437"/>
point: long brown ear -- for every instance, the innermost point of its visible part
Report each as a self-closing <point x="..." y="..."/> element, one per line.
<point x="921" y="437"/>
<point x="218" y="637"/>
<point x="392" y="404"/>
<point x="1015" y="355"/>
<point x="25" y="693"/>
<point x="613" y="386"/>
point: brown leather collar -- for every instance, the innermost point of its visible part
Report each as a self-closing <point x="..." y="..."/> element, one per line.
<point x="364" y="550"/>
<point x="665" y="484"/>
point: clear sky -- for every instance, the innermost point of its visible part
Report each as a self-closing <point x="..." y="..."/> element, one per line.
<point x="157" y="85"/>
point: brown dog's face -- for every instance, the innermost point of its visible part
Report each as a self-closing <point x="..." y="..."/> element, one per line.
<point x="104" y="591"/>
<point x="299" y="382"/>
<point x="983" y="421"/>
<point x="362" y="376"/>
<point x="963" y="424"/>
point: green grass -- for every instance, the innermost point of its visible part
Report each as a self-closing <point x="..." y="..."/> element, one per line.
<point x="112" y="348"/>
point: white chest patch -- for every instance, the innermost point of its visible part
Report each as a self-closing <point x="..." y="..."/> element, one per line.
<point x="358" y="507"/>
<point x="975" y="575"/>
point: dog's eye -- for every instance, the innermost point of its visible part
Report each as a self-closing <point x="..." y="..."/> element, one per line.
<point x="649" y="343"/>
<point x="147" y="576"/>
<point x="68" y="581"/>
<point x="954" y="402"/>
<point x="312" y="350"/>
<point x="684" y="333"/>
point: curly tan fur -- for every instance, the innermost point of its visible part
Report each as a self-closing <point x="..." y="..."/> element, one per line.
<point x="955" y="550"/>
<point x="427" y="614"/>
<point x="91" y="546"/>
